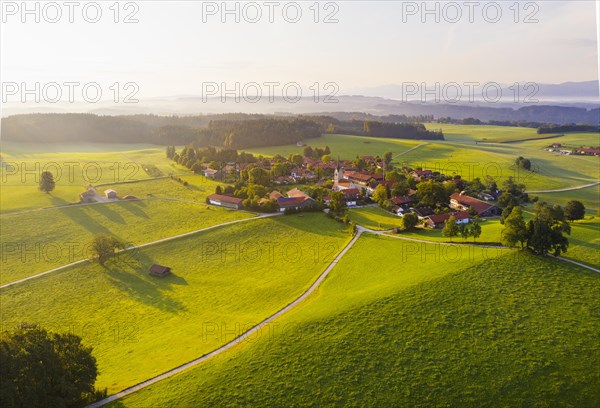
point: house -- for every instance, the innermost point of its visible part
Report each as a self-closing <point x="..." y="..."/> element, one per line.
<point x="463" y="202"/>
<point x="159" y="270"/>
<point x="225" y="201"/>
<point x="213" y="174"/>
<point x="88" y="196"/>
<point x="130" y="197"/>
<point x="110" y="193"/>
<point x="438" y="220"/>
<point x="421" y="175"/>
<point x="589" y="152"/>
<point x="295" y="203"/>
<point x="351" y="196"/>
<point x="274" y="195"/>
<point x="362" y="179"/>
<point x="424" y="212"/>
<point x="344" y="184"/>
<point x="486" y="196"/>
<point x="402" y="200"/>
<point x="297" y="193"/>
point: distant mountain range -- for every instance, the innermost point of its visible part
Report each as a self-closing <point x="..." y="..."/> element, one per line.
<point x="570" y="102"/>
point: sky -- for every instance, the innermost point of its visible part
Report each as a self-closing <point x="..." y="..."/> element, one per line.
<point x="177" y="47"/>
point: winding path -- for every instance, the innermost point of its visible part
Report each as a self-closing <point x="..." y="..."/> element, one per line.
<point x="559" y="190"/>
<point x="238" y="339"/>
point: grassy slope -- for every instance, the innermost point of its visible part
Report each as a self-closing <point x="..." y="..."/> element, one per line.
<point x="161" y="321"/>
<point x="501" y="333"/>
<point x="74" y="166"/>
<point x="374" y="218"/>
<point x="67" y="231"/>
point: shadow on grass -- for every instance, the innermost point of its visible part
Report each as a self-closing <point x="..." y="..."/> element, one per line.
<point x="105" y="210"/>
<point x="128" y="271"/>
<point x="134" y="207"/>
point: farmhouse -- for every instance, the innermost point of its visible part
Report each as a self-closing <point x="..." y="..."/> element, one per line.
<point x="362" y="179"/>
<point x="463" y="202"/>
<point x="423" y="212"/>
<point x="110" y="193"/>
<point x="589" y="152"/>
<point x="88" y="196"/>
<point x="297" y="193"/>
<point x="225" y="201"/>
<point x="402" y="200"/>
<point x="294" y="203"/>
<point x="420" y="175"/>
<point x="159" y="270"/>
<point x="438" y="220"/>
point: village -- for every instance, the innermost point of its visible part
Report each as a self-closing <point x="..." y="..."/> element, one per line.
<point x="365" y="181"/>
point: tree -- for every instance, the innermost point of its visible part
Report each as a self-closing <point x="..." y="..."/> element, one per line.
<point x="574" y="210"/>
<point x="523" y="163"/>
<point x="105" y="247"/>
<point x="475" y="230"/>
<point x="545" y="231"/>
<point x="327" y="150"/>
<point x="450" y="228"/>
<point x="380" y="194"/>
<point x="297" y="159"/>
<point x="308" y="151"/>
<point x="431" y="194"/>
<point x="337" y="204"/>
<point x="218" y="190"/>
<point x="41" y="369"/>
<point x="256" y="175"/>
<point x="515" y="229"/>
<point x="464" y="231"/>
<point x="47" y="182"/>
<point x="409" y="221"/>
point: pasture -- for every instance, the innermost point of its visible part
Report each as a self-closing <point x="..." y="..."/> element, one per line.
<point x="68" y="231"/>
<point x="140" y="326"/>
<point x="391" y="328"/>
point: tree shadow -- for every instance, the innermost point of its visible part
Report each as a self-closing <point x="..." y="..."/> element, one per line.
<point x="128" y="271"/>
<point x="106" y="211"/>
<point x="134" y="207"/>
<point x="78" y="215"/>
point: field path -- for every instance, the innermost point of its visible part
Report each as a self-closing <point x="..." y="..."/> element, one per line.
<point x="38" y="275"/>
<point x="558" y="190"/>
<point x="409" y="150"/>
<point x="238" y="339"/>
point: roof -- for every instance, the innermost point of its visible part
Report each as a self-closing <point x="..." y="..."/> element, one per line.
<point x="402" y="200"/>
<point x="439" y="218"/>
<point x="362" y="176"/>
<point x="110" y="190"/>
<point x="291" y="201"/>
<point x="274" y="195"/>
<point x="157" y="269"/>
<point x="478" y="205"/>
<point x="225" y="198"/>
<point x="424" y="211"/>
<point x="296" y="193"/>
<point x="350" y="192"/>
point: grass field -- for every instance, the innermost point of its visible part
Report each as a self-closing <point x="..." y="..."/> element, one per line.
<point x="74" y="168"/>
<point x="140" y="325"/>
<point x="477" y="332"/>
<point x="461" y="154"/>
<point x="374" y="218"/>
<point x="68" y="231"/>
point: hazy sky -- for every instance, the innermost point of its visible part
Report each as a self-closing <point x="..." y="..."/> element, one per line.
<point x="171" y="51"/>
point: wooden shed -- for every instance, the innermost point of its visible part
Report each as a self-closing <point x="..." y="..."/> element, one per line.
<point x="159" y="270"/>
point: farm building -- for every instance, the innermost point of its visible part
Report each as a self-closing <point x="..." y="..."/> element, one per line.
<point x="159" y="270"/>
<point x="225" y="201"/>
<point x="463" y="202"/>
<point x="295" y="203"/>
<point x="88" y="196"/>
<point x="110" y="193"/>
<point x="438" y="220"/>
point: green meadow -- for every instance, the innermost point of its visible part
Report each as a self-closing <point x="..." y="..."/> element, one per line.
<point x="395" y="326"/>
<point x="68" y="231"/>
<point x="374" y="218"/>
<point x="74" y="168"/>
<point x="141" y="326"/>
